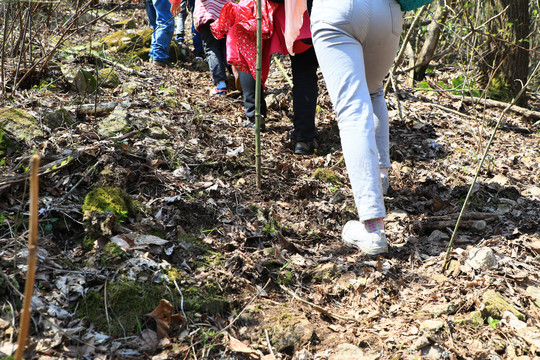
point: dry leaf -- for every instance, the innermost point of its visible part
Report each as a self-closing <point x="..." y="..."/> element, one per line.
<point x="163" y="315"/>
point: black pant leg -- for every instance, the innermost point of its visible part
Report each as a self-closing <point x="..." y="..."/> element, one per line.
<point x="248" y="88"/>
<point x="305" y="92"/>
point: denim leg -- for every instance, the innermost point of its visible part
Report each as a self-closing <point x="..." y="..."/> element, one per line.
<point x="248" y="90"/>
<point x="215" y="53"/>
<point x="305" y="91"/>
<point x="151" y="13"/>
<point x="162" y="36"/>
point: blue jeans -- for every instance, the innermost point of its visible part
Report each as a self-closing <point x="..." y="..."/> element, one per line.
<point x="356" y="42"/>
<point x="216" y="53"/>
<point x="162" y="21"/>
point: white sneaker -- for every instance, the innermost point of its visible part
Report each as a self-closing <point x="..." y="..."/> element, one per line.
<point x="355" y="234"/>
<point x="385" y="184"/>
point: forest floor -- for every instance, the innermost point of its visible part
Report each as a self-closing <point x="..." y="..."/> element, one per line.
<point x="261" y="273"/>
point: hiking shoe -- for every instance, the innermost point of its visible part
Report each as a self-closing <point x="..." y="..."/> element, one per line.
<point x="218" y="92"/>
<point x="159" y="63"/>
<point x="355" y="235"/>
<point x="305" y="147"/>
<point x="385" y="184"/>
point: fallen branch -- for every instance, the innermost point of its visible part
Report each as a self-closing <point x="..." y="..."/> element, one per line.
<point x="98" y="109"/>
<point x="443" y="222"/>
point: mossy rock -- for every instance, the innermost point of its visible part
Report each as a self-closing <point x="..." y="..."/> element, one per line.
<point x="58" y="118"/>
<point x="129" y="301"/>
<point x="84" y="82"/>
<point x="7" y="145"/>
<point x="116" y="122"/>
<point x="496" y="304"/>
<point x="108" y="199"/>
<point x="125" y="24"/>
<point x="103" y="209"/>
<point x="112" y="256"/>
<point x="20" y="124"/>
<point x="206" y="298"/>
<point x="128" y="40"/>
<point x="326" y="175"/>
<point x="108" y="78"/>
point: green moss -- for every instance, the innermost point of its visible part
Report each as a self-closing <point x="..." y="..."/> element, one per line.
<point x="499" y="89"/>
<point x="206" y="298"/>
<point x="19" y="123"/>
<point x="128" y="40"/>
<point x="127" y="303"/>
<point x="193" y="244"/>
<point x="108" y="198"/>
<point x="108" y="78"/>
<point x="112" y="255"/>
<point x="6" y="144"/>
<point x="326" y="175"/>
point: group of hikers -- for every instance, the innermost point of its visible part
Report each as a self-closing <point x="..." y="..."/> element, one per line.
<point x="354" y="43"/>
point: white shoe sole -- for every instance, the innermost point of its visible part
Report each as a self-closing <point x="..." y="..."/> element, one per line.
<point x="369" y="250"/>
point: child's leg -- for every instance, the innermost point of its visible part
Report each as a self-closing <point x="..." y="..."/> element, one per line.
<point x="213" y="49"/>
<point x="248" y="89"/>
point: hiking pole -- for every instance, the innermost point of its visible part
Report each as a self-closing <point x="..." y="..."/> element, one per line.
<point x="32" y="257"/>
<point x="258" y="97"/>
<point x="499" y="121"/>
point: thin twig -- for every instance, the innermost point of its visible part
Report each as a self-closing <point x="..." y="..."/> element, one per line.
<point x="465" y="203"/>
<point x="280" y="65"/>
<point x="268" y="342"/>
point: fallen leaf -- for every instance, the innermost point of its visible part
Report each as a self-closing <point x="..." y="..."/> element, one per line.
<point x="163" y="315"/>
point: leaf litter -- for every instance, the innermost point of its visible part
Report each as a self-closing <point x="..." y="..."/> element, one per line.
<point x="225" y="271"/>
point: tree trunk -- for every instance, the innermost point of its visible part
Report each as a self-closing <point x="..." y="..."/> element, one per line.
<point x="432" y="40"/>
<point x="505" y="64"/>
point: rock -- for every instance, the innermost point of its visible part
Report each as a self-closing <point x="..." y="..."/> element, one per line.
<point x="495" y="305"/>
<point x="347" y="352"/>
<point x="130" y="87"/>
<point x="438" y="235"/>
<point x="534" y="293"/>
<point x="108" y="78"/>
<point x="325" y="271"/>
<point x="436" y="310"/>
<point x="478" y="226"/>
<point x="433" y="352"/>
<point x="291" y="332"/>
<point x="482" y="259"/>
<point x="125" y="24"/>
<point x="272" y="102"/>
<point x="302" y="355"/>
<point x="84" y="82"/>
<point x="60" y="118"/>
<point x="20" y="124"/>
<point x="531" y="336"/>
<point x="420" y="343"/>
<point x="532" y="190"/>
<point x="432" y="326"/>
<point x="115" y="123"/>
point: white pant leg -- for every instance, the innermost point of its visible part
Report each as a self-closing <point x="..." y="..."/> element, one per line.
<point x="342" y="31"/>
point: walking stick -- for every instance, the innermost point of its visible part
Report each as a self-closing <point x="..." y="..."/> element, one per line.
<point x="32" y="257"/>
<point x="258" y="97"/>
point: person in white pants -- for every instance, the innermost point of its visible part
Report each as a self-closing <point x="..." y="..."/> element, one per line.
<point x="356" y="42"/>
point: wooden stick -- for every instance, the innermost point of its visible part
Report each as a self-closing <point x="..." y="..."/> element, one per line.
<point x="32" y="257"/>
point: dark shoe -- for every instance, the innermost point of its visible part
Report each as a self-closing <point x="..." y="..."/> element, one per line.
<point x="250" y="123"/>
<point x="305" y="147"/>
<point x="160" y="64"/>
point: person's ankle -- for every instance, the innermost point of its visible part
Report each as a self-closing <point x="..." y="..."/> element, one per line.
<point x="373" y="225"/>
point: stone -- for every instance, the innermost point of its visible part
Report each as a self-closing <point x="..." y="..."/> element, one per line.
<point x="482" y="259"/>
<point x="125" y="24"/>
<point x="20" y="124"/>
<point x="534" y="293"/>
<point x="60" y="118"/>
<point x="496" y="304"/>
<point x="420" y="343"/>
<point x="438" y="235"/>
<point x="432" y="326"/>
<point x="478" y="226"/>
<point x="291" y="331"/>
<point x="115" y="123"/>
<point x="347" y="352"/>
<point x="433" y="352"/>
<point x="108" y="78"/>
